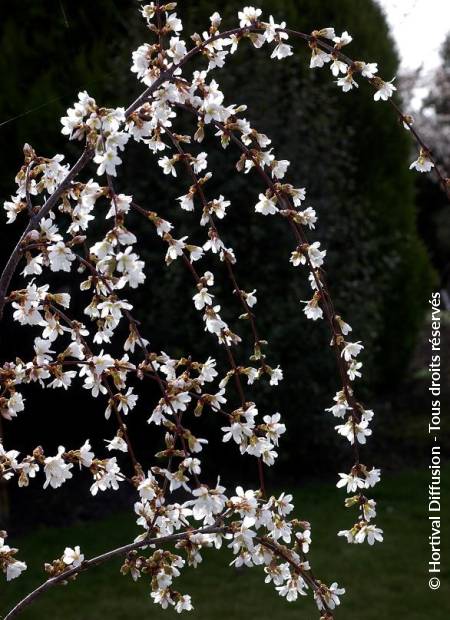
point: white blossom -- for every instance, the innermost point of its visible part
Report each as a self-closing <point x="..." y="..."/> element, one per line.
<point x="248" y="16"/>
<point x="60" y="257"/>
<point x="384" y="91"/>
<point x="423" y="163"/>
<point x="56" y="470"/>
<point x="266" y="206"/>
<point x="73" y="557"/>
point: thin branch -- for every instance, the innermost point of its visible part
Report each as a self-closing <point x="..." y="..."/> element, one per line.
<point x="101" y="559"/>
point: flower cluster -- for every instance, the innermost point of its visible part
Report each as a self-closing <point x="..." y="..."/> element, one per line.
<point x="11" y="567"/>
<point x="100" y="127"/>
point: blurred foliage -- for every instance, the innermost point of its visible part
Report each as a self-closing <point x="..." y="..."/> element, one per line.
<point x="434" y="214"/>
<point x="348" y="151"/>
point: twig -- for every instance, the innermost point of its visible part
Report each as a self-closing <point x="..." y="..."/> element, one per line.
<point x="100" y="559"/>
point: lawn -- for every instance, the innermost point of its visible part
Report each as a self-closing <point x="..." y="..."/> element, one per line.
<point x="386" y="582"/>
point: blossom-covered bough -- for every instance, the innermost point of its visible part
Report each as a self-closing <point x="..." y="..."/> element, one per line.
<point x="258" y="527"/>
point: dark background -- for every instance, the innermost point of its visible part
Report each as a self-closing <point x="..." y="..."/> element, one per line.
<point x="353" y="158"/>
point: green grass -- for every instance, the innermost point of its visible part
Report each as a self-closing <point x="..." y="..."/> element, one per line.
<point x="386" y="582"/>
